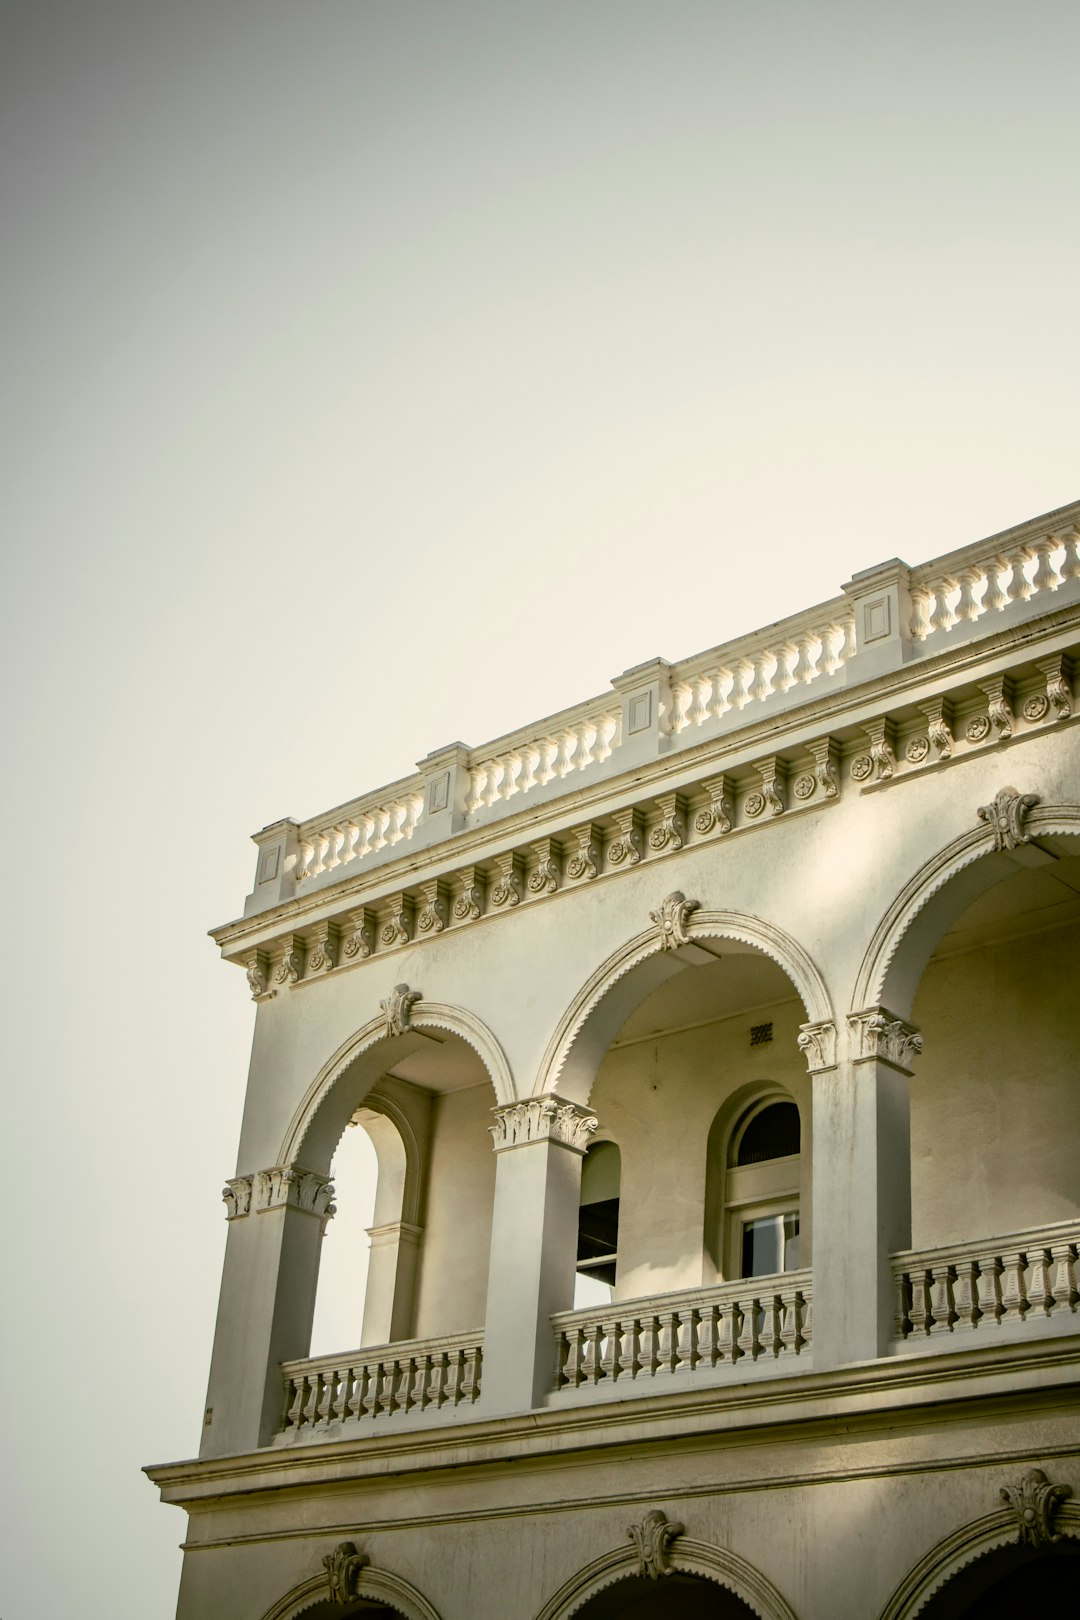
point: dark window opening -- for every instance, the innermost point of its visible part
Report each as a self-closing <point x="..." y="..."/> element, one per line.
<point x="772" y="1134"/>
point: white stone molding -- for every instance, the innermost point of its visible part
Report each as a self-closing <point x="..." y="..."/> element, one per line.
<point x="358" y="938"/>
<point x="506" y="890"/>
<point x="397" y="921"/>
<point x="322" y="949"/>
<point x="288" y="961"/>
<point x="434" y="914"/>
<point x="544" y="877"/>
<point x="652" y="1540"/>
<point x="377" y="1585"/>
<point x="825" y="752"/>
<point x="773" y="775"/>
<point x="671" y="919"/>
<point x="670" y="830"/>
<point x="719" y="813"/>
<point x="343" y="1570"/>
<point x="291" y="1185"/>
<point x="625" y="846"/>
<point x="1056" y="673"/>
<point x="397" y="1009"/>
<point x="586" y="860"/>
<point x="689" y="1557"/>
<point x="999" y="708"/>
<point x="817" y="1043"/>
<point x="939" y="726"/>
<point x="882" y="735"/>
<point x="237" y="1197"/>
<point x="469" y="899"/>
<point x="878" y="1036"/>
<point x="543" y="1119"/>
<point x="1035" y="1502"/>
<point x="1006" y="817"/>
<point x="257" y="966"/>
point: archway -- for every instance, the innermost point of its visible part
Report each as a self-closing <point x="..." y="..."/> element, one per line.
<point x="675" y="1597"/>
<point x="378" y="1592"/>
<point x="719" y="1584"/>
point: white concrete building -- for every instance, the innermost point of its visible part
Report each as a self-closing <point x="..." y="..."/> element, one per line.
<point x="745" y="998"/>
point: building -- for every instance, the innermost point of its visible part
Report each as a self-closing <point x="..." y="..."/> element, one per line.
<point x="760" y="974"/>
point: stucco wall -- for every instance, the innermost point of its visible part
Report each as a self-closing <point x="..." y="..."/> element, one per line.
<point x="457" y="1218"/>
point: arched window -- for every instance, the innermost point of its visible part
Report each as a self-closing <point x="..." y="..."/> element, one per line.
<point x="598" y="1226"/>
<point x="762" y="1190"/>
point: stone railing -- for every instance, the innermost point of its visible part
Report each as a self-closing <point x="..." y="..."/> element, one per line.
<point x="978" y="583"/>
<point x="379" y="821"/>
<point x="422" y="1375"/>
<point x="1019" y="1279"/>
<point x="732" y="1325"/>
<point x="569" y="743"/>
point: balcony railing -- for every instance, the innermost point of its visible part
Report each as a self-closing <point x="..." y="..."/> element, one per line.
<point x="419" y="1376"/>
<point x="732" y="1328"/>
<point x="1015" y="1281"/>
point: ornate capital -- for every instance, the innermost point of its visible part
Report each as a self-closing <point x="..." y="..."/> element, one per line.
<point x="652" y="1539"/>
<point x="671" y="917"/>
<point x="817" y="1043"/>
<point x="1035" y="1501"/>
<point x="290" y="1184"/>
<point x="397" y="1009"/>
<point x="1007" y="815"/>
<point x="543" y="1119"/>
<point x="881" y="1037"/>
<point x="237" y="1197"/>
<point x="343" y="1570"/>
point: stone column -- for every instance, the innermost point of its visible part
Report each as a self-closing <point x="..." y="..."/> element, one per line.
<point x="276" y="1221"/>
<point x="540" y="1145"/>
<point x="861" y="1182"/>
<point x="391" y="1282"/>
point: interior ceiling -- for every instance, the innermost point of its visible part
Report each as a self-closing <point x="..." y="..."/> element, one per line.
<point x="1034" y="899"/>
<point x="443" y="1063"/>
<point x="739" y="980"/>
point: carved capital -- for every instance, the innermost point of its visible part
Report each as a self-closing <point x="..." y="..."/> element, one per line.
<point x="358" y="938"/>
<point x="397" y="1009"/>
<point x="469" y="900"/>
<point x="719" y="811"/>
<point x="939" y="726"/>
<point x="257" y="967"/>
<point x="586" y="858"/>
<point x="397" y="926"/>
<point x="344" y="1567"/>
<point x="999" y="708"/>
<point x="506" y="890"/>
<point x="652" y="1539"/>
<point x="433" y="915"/>
<point x="879" y="1036"/>
<point x="321" y="948"/>
<point x="671" y="918"/>
<point x="1056" y="672"/>
<point x="236" y="1195"/>
<point x="290" y="1184"/>
<point x="543" y="1119"/>
<point x="1035" y="1501"/>
<point x="817" y="1043"/>
<point x="670" y="830"/>
<point x="288" y="961"/>
<point x="825" y="753"/>
<point x="1006" y="817"/>
<point x="625" y="846"/>
<point x="544" y="877"/>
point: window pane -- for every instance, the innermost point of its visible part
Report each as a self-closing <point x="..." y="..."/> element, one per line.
<point x="770" y="1245"/>
<point x="772" y="1134"/>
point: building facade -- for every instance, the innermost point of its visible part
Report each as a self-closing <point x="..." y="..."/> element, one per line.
<point x="719" y="1040"/>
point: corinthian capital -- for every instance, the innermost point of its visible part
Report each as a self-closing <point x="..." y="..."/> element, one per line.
<point x="878" y="1036"/>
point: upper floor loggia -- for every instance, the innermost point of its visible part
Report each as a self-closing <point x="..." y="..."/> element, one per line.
<point x="736" y="1048"/>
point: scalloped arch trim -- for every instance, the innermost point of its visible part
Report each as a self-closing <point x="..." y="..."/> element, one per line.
<point x="425" y="1014"/>
<point x="872" y="983"/>
<point x="963" y="1547"/>
<point x="377" y="1584"/>
<point x="687" y="1557"/>
<point x="763" y="936"/>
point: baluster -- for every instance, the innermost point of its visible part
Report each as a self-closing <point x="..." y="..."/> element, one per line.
<point x="1070" y="563"/>
<point x="682" y="696"/>
<point x="667" y="1346"/>
<point x="514" y="763"/>
<point x="761" y="685"/>
<point x="477" y="773"/>
<point x="990" y="1307"/>
<point x="1063" y="1260"/>
<point x="565" y="742"/>
<point x="706" y="1336"/>
<point x="435" y="1393"/>
<point x="803" y="670"/>
<point x="722" y="686"/>
<point x="771" y="1341"/>
<point x="367" y="834"/>
<point x="403" y="1384"/>
<point x="699" y="708"/>
<point x="571" y="1355"/>
<point x="941" y="618"/>
<point x="790" y="1326"/>
<point x="920" y="618"/>
<point x="311" y="1405"/>
<point x="326" y="1397"/>
<point x="1044" y="578"/>
<point x="606" y="730"/>
<point x="902" y="1295"/>
<point x="335" y="839"/>
<point x="609" y="1349"/>
<point x="1019" y="589"/>
<point x="1013" y="1298"/>
<point x="967" y="608"/>
<point x="359" y="1391"/>
<point x="372" y="1379"/>
<point x="649" y="1329"/>
<point x="470" y="1383"/>
<point x="994" y="598"/>
<point x="586" y="738"/>
<point x="727" y="1332"/>
<point x="942" y="1315"/>
<point x="966" y="1294"/>
<point x="422" y="1372"/>
<point x="786" y="658"/>
<point x="294" y="1415"/>
<point x="380" y="821"/>
<point x="1039" y="1291"/>
<point x="833" y="639"/>
<point x="686" y="1344"/>
<point x="455" y="1378"/>
<point x="806" y="1313"/>
<point x="749" y="1342"/>
<point x="547" y="750"/>
<point x="920" y="1310"/>
<point x="744" y="677"/>
<point x="590" y="1360"/>
<point x="530" y="761"/>
<point x="414" y="811"/>
<point x="628" y="1354"/>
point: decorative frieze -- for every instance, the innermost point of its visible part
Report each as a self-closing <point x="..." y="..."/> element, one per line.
<point x="433" y="915"/>
<point x="358" y="937"/>
<point x="939" y="726"/>
<point x="397" y="1009"/>
<point x="879" y="1036"/>
<point x="652" y="1540"/>
<point x="1034" y="1502"/>
<point x="625" y="847"/>
<point x="469" y="899"/>
<point x="670" y="830"/>
<point x="544" y="877"/>
<point x="817" y="1043"/>
<point x="236" y="1195"/>
<point x="719" y="811"/>
<point x="671" y="918"/>
<point x="999" y="708"/>
<point x="586" y="859"/>
<point x="506" y="890"/>
<point x="397" y="923"/>
<point x="1006" y="817"/>
<point x="543" y="1119"/>
<point x="321" y="949"/>
<point x="344" y="1568"/>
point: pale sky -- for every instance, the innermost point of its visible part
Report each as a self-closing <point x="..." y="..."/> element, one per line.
<point x="382" y="372"/>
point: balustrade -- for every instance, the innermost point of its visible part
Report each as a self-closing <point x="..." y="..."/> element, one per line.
<point x="756" y="1320"/>
<point x="358" y="830"/>
<point x="418" y="1376"/>
<point x="964" y="588"/>
<point x="797" y="652"/>
<point x="1018" y="1279"/>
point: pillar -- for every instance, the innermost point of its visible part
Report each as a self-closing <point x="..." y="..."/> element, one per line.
<point x="389" y="1300"/>
<point x="540" y="1144"/>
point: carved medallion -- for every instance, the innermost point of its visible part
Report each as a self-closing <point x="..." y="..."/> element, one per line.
<point x="1036" y="706"/>
<point x="652" y="1539"/>
<point x="671" y="917"/>
<point x="397" y="1009"/>
<point x="754" y="804"/>
<point x="977" y="728"/>
<point x="1035" y="1501"/>
<point x="804" y="786"/>
<point x="1007" y="816"/>
<point x="861" y="767"/>
<point x="917" y="750"/>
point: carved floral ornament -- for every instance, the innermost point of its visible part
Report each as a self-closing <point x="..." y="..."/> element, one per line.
<point x="397" y="1009"/>
<point x="652" y="1539"/>
<point x="1035" y="1501"/>
<point x="344" y="1566"/>
<point x="880" y="1036"/>
<point x="817" y="1043"/>
<point x="1007" y="816"/>
<point x="671" y="918"/>
<point x="543" y="1119"/>
<point x="290" y="1184"/>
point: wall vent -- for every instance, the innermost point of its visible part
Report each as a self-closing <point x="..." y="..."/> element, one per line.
<point x="760" y="1034"/>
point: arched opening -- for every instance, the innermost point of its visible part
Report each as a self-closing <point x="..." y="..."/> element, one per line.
<point x="598" y="1226"/>
<point x="675" y="1596"/>
<point x="761" y="1193"/>
<point x="1009" y="1581"/>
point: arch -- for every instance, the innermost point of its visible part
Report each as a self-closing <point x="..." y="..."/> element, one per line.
<point x="638" y="967"/>
<point x="955" y="1552"/>
<point x="314" y="1129"/>
<point x="377" y="1584"/>
<point x="688" y="1557"/>
<point x="932" y="900"/>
